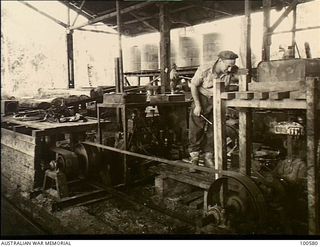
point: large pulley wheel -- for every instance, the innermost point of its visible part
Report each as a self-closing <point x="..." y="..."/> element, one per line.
<point x="89" y="159"/>
<point x="236" y="202"/>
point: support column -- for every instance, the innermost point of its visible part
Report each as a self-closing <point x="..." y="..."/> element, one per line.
<point x="266" y="26"/>
<point x="219" y="129"/>
<point x="245" y="114"/>
<point x="294" y="22"/>
<point x="312" y="166"/>
<point x="70" y="60"/>
<point x="119" y="25"/>
<point x="164" y="47"/>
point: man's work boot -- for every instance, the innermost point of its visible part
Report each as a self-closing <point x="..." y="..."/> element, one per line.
<point x="208" y="160"/>
<point x="194" y="160"/>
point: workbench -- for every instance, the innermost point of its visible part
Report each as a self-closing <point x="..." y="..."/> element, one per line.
<point x="25" y="146"/>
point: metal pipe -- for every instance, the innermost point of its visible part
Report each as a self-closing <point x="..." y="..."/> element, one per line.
<point x="207" y="120"/>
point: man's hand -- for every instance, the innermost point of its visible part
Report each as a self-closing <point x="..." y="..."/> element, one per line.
<point x="197" y="111"/>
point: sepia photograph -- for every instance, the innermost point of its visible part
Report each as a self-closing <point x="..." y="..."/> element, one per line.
<point x="177" y="119"/>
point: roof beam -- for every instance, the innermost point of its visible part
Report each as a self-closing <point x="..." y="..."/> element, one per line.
<point x="44" y="14"/>
<point x="77" y="9"/>
<point x="78" y="13"/>
<point x="157" y="15"/>
<point x="296" y="30"/>
<point x="113" y="14"/>
<point x="95" y="31"/>
<point x="212" y="9"/>
<point x="284" y="15"/>
<point x="144" y="22"/>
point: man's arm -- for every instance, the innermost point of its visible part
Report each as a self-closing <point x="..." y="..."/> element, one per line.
<point x="196" y="81"/>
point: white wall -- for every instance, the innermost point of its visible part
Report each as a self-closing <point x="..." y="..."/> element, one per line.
<point x="34" y="53"/>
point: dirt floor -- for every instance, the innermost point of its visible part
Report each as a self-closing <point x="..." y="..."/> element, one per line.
<point x="112" y="216"/>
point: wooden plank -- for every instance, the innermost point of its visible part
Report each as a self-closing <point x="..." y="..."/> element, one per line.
<point x="279" y="95"/>
<point x="265" y="86"/>
<point x="15" y="160"/>
<point x="298" y="95"/>
<point x="245" y="115"/>
<point x="244" y="95"/>
<point x="312" y="166"/>
<point x="245" y="129"/>
<point x="48" y="125"/>
<point x="5" y="133"/>
<point x="261" y="95"/>
<point x="281" y="104"/>
<point x="228" y="95"/>
<point x="19" y="145"/>
<point x="17" y="166"/>
<point x="219" y="128"/>
<point x="185" y="178"/>
<point x="192" y="197"/>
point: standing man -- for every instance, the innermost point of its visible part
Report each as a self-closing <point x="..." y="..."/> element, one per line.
<point x="174" y="78"/>
<point x="200" y="133"/>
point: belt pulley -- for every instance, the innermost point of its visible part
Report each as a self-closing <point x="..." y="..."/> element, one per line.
<point x="235" y="198"/>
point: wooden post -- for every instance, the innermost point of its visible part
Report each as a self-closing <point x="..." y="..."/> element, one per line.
<point x="164" y="47"/>
<point x="219" y="124"/>
<point x="294" y="22"/>
<point x="245" y="115"/>
<point x="117" y="74"/>
<point x="70" y="60"/>
<point x="120" y="46"/>
<point x="125" y="142"/>
<point x="118" y="86"/>
<point x="266" y="26"/>
<point x="312" y="166"/>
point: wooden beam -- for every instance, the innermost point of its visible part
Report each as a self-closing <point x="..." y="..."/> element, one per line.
<point x="164" y="47"/>
<point x="44" y="14"/>
<point x="219" y="131"/>
<point x="113" y="14"/>
<point x="296" y="30"/>
<point x="245" y="115"/>
<point x="312" y="166"/>
<point x="294" y="23"/>
<point x="77" y="9"/>
<point x="156" y="16"/>
<point x="78" y="13"/>
<point x="95" y="31"/>
<point x="266" y="26"/>
<point x="144" y="22"/>
<point x="68" y="16"/>
<point x="120" y="46"/>
<point x="284" y="15"/>
<point x="70" y="60"/>
<point x="212" y="9"/>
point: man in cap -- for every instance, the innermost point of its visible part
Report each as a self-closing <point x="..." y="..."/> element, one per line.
<point x="202" y="83"/>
